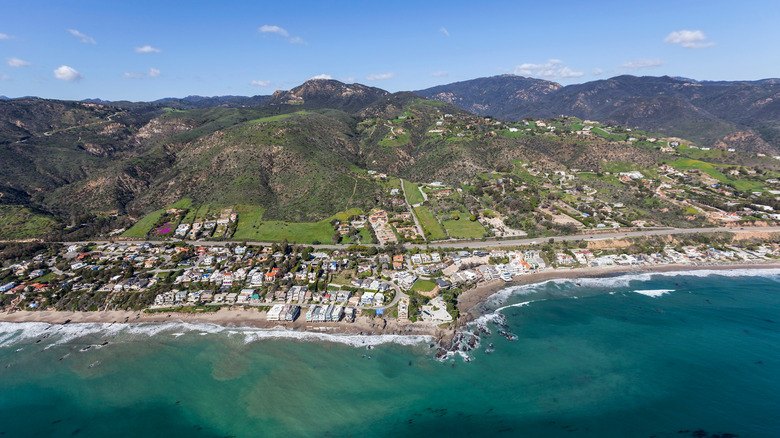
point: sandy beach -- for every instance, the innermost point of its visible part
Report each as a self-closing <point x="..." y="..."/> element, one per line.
<point x="230" y="317"/>
<point x="468" y="305"/>
<point x="468" y="302"/>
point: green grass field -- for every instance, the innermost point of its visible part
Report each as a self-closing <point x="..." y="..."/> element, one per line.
<point x="392" y="183"/>
<point x="208" y="212"/>
<point x="521" y="133"/>
<point x="413" y="195"/>
<point x="423" y="285"/>
<point x="186" y="203"/>
<point x="144" y="225"/>
<point x="140" y="228"/>
<point x="183" y="203"/>
<point x="464" y="228"/>
<point x="400" y="140"/>
<point x="585" y="176"/>
<point x="431" y="227"/>
<point x="190" y="217"/>
<point x="275" y="118"/>
<point x="609" y="136"/>
<point x="251" y="227"/>
<point x="276" y="231"/>
<point x="619" y="166"/>
<point x="699" y="154"/>
<point x="684" y="164"/>
<point x="365" y="235"/>
<point x="47" y="277"/>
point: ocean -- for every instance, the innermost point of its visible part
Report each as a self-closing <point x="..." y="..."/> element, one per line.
<point x="685" y="354"/>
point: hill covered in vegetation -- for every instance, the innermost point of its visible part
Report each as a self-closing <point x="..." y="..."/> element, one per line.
<point x="80" y="169"/>
<point x="744" y="115"/>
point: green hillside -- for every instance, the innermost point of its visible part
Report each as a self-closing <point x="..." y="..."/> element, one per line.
<point x="302" y="156"/>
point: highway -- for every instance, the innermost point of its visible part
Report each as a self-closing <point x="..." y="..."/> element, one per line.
<point x="599" y="236"/>
<point x="471" y="243"/>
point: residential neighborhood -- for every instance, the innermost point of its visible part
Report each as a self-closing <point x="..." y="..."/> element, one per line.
<point x="322" y="286"/>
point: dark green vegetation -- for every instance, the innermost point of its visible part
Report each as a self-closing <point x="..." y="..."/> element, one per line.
<point x="75" y="170"/>
<point x="743" y="115"/>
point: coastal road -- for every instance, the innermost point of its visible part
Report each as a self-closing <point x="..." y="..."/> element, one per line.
<point x="594" y="237"/>
<point x="475" y="243"/>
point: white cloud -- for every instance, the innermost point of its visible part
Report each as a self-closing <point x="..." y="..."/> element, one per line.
<point x="322" y="76"/>
<point x="691" y="39"/>
<point x="66" y="73"/>
<point x="267" y="28"/>
<point x="147" y="49"/>
<point x="597" y="72"/>
<point x="444" y="31"/>
<point x="5" y="78"/>
<point x="5" y="36"/>
<point x="552" y="69"/>
<point x="257" y="83"/>
<point x="153" y="73"/>
<point x="350" y="80"/>
<point x="273" y="29"/>
<point x="637" y="64"/>
<point x="86" y="39"/>
<point x="380" y="76"/>
<point x="440" y="74"/>
<point x="16" y="62"/>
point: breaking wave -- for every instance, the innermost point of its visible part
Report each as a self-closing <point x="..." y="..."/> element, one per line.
<point x="50" y="335"/>
<point x="625" y="281"/>
<point x="654" y="292"/>
<point x="568" y="288"/>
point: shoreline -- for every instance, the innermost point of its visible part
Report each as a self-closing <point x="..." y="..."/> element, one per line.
<point x="469" y="304"/>
<point x="230" y="318"/>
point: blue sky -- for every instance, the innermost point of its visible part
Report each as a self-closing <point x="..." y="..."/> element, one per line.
<point x="145" y="50"/>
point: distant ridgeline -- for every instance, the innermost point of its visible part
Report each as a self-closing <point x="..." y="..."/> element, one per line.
<point x="295" y="163"/>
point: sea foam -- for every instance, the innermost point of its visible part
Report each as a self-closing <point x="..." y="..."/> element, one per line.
<point x="610" y="282"/>
<point x="50" y="335"/>
<point x="654" y="292"/>
<point x="624" y="281"/>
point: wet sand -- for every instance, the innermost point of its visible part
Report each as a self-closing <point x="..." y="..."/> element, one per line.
<point x="229" y="317"/>
<point x="468" y="302"/>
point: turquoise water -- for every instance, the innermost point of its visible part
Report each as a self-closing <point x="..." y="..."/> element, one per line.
<point x="688" y="355"/>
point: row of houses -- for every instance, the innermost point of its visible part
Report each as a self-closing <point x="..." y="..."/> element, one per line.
<point x="299" y="295"/>
<point x="330" y="313"/>
<point x="283" y="312"/>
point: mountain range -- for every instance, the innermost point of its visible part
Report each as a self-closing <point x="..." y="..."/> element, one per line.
<point x="720" y="114"/>
<point x="303" y="154"/>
